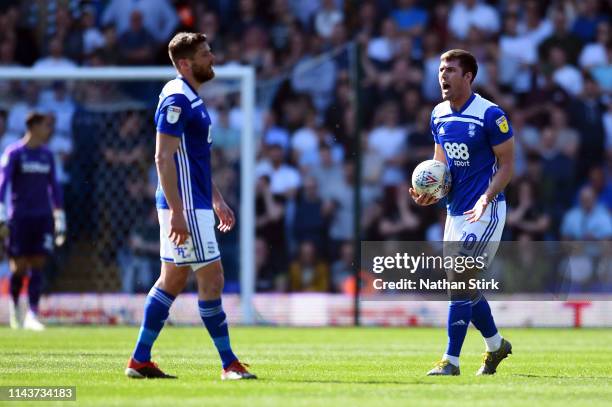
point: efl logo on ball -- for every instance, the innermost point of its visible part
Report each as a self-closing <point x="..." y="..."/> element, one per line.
<point x="431" y="177"/>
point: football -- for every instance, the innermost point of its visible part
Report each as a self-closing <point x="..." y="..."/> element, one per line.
<point x="431" y="177"/>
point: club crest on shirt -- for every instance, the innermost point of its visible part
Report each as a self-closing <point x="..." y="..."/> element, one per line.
<point x="502" y="123"/>
<point x="172" y="114"/>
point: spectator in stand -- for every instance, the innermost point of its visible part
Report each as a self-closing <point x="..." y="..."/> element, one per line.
<point x="526" y="217"/>
<point x="136" y="44"/>
<point x="138" y="260"/>
<point x="420" y="139"/>
<point x="342" y="270"/>
<point x="124" y="153"/>
<point x="602" y="186"/>
<point x="472" y="13"/>
<point x="532" y="25"/>
<point x="596" y="53"/>
<point x="326" y="18"/>
<point x="208" y="23"/>
<point x="6" y="137"/>
<point x="159" y="17"/>
<point x="28" y="101"/>
<point x="564" y="74"/>
<point x="56" y="58"/>
<point x="308" y="273"/>
<point x="557" y="168"/>
<point x="519" y="55"/>
<point x="410" y="17"/>
<point x="270" y="221"/>
<point x="383" y="49"/>
<point x="284" y="178"/>
<point x="225" y="136"/>
<point x="93" y="39"/>
<point x="268" y="278"/>
<point x="588" y="220"/>
<point x="586" y="116"/>
<point x="342" y="200"/>
<point x="367" y="21"/>
<point x="585" y="24"/>
<point x="311" y="215"/>
<point x="388" y="138"/>
<point x="328" y="173"/>
<point x="438" y="24"/>
<point x="400" y="220"/>
<point x="561" y="37"/>
<point x="568" y="139"/>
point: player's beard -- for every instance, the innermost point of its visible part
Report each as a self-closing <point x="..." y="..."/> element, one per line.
<point x="203" y="74"/>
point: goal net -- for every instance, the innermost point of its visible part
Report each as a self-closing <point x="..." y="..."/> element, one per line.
<point x="103" y="141"/>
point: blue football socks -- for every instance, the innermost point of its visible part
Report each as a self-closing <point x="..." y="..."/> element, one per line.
<point x="157" y="309"/>
<point x="215" y="321"/>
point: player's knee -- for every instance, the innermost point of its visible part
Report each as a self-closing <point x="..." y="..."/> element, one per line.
<point x="210" y="280"/>
<point x="173" y="279"/>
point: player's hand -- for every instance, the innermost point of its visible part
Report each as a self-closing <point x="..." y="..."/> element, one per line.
<point x="423" y="199"/>
<point x="227" y="220"/>
<point x="474" y="214"/>
<point x="59" y="220"/>
<point x="178" y="228"/>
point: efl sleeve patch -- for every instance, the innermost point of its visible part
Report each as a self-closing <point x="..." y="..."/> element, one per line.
<point x="502" y="123"/>
<point x="172" y="114"/>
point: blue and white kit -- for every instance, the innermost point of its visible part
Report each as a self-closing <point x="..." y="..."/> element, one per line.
<point x="181" y="113"/>
<point x="467" y="137"/>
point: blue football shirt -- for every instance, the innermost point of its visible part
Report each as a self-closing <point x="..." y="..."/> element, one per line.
<point x="181" y="113"/>
<point x="467" y="137"/>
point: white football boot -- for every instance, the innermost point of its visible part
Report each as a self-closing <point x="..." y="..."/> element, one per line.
<point x="32" y="323"/>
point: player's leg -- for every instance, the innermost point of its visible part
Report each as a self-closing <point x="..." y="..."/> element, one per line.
<point x="18" y="267"/>
<point x="37" y="264"/>
<point x="210" y="286"/>
<point x="171" y="282"/>
<point x="497" y="348"/>
<point x="459" y="313"/>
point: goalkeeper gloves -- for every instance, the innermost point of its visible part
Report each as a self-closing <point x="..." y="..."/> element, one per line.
<point x="59" y="217"/>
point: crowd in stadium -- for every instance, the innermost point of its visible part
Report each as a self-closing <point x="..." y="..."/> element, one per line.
<point x="548" y="64"/>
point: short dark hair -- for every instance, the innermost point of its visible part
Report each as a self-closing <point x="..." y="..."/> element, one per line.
<point x="184" y="45"/>
<point x="34" y="118"/>
<point x="467" y="62"/>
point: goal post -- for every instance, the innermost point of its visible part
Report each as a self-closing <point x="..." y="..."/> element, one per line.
<point x="246" y="77"/>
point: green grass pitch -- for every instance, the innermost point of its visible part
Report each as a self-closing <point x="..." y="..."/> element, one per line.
<point x="314" y="367"/>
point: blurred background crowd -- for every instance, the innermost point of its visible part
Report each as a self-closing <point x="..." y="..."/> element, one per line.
<point x="548" y="64"/>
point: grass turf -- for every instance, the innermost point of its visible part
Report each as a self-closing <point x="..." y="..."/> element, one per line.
<point x="311" y="367"/>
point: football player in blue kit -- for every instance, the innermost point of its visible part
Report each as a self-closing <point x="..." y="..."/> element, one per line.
<point x="187" y="201"/>
<point x="473" y="137"/>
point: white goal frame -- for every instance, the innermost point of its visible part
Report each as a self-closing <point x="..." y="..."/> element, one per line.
<point x="246" y="76"/>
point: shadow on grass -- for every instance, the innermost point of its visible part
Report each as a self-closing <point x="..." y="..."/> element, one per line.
<point x="560" y="377"/>
<point x="333" y="381"/>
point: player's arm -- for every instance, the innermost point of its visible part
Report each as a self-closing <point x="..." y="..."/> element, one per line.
<point x="499" y="133"/>
<point x="173" y="114"/>
<point x="504" y="153"/>
<point x="227" y="220"/>
<point x="427" y="199"/>
<point x="6" y="174"/>
<point x="165" y="147"/>
<point x="439" y="154"/>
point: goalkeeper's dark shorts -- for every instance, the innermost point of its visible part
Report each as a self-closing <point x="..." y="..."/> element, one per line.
<point x="30" y="236"/>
